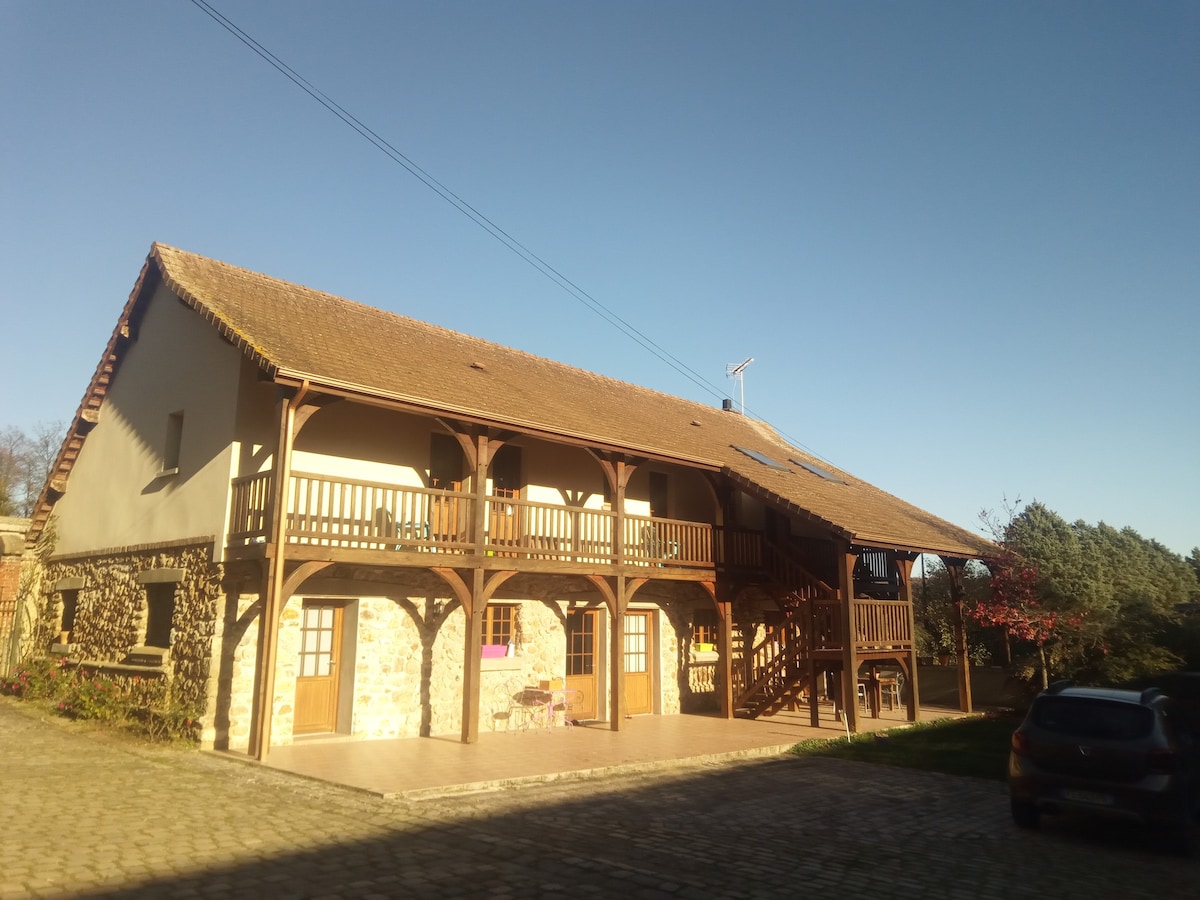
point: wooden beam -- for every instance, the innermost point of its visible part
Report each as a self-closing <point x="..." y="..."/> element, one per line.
<point x="616" y="655"/>
<point x="472" y="642"/>
<point x="260" y="729"/>
<point x="954" y="570"/>
<point x="846" y="560"/>
<point x="905" y="567"/>
<point x="725" y="652"/>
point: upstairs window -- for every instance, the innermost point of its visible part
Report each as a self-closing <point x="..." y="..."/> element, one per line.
<point x="445" y="462"/>
<point x="172" y="444"/>
<point x="506" y="472"/>
<point x="659" y="494"/>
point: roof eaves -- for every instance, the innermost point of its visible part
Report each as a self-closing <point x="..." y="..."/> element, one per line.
<point x="88" y="412"/>
<point x="324" y="384"/>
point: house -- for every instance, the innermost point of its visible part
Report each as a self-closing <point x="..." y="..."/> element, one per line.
<point x="315" y="517"/>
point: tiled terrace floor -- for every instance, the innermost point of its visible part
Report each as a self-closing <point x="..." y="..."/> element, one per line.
<point x="422" y="767"/>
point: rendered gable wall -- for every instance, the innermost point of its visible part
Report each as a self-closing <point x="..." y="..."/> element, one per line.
<point x="117" y="495"/>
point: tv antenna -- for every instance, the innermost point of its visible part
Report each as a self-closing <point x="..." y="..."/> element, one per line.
<point x="736" y="372"/>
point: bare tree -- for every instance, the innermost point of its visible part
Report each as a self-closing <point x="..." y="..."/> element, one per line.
<point x="25" y="464"/>
<point x="13" y="470"/>
<point x="42" y="452"/>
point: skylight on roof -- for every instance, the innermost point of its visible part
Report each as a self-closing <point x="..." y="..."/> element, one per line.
<point x="760" y="457"/>
<point x="817" y="470"/>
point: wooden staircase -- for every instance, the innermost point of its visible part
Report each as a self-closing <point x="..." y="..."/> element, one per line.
<point x="777" y="669"/>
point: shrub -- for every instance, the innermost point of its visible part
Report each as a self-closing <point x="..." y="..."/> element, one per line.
<point x="98" y="698"/>
<point x="38" y="678"/>
<point x="145" y="706"/>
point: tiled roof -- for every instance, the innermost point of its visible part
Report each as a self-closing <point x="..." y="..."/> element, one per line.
<point x="295" y="331"/>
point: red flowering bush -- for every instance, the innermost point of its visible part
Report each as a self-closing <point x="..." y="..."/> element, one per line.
<point x="37" y="679"/>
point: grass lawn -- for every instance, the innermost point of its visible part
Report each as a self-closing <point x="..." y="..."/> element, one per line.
<point x="977" y="746"/>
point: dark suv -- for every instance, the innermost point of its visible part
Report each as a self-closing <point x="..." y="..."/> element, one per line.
<point x="1106" y="752"/>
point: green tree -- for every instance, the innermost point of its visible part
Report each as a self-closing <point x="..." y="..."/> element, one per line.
<point x="933" y="612"/>
<point x="1095" y="602"/>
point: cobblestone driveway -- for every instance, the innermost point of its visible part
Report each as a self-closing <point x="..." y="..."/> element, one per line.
<point x="91" y="815"/>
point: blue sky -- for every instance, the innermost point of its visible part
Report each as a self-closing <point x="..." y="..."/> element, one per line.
<point x="960" y="241"/>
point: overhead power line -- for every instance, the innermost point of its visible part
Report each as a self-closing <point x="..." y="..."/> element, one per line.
<point x="466" y="208"/>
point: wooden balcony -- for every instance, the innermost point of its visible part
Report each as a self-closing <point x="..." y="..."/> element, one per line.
<point x="388" y="518"/>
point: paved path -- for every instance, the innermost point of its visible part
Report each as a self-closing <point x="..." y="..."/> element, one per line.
<point x="83" y="814"/>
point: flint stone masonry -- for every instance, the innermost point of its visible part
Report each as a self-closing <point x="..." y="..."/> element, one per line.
<point x="110" y="617"/>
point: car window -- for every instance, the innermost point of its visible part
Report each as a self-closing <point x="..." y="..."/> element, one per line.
<point x="1091" y="718"/>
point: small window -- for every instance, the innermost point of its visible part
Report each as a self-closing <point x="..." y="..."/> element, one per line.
<point x="818" y="471"/>
<point x="173" y="443"/>
<point x="70" y="606"/>
<point x="760" y="457"/>
<point x="160" y="613"/>
<point x="499" y="623"/>
<point x="704" y="627"/>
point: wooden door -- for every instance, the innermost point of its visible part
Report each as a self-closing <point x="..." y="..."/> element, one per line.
<point x="582" y="673"/>
<point x="317" y="668"/>
<point x="638" y="657"/>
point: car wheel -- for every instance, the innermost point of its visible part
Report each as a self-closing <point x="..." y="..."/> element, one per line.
<point x="1024" y="813"/>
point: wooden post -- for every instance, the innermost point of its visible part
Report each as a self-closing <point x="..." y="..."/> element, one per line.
<point x="914" y="697"/>
<point x="622" y="477"/>
<point x="954" y="569"/>
<point x="479" y="485"/>
<point x="810" y="637"/>
<point x="616" y="655"/>
<point x="472" y="654"/>
<point x="725" y="656"/>
<point x="272" y="602"/>
<point x="846" y="560"/>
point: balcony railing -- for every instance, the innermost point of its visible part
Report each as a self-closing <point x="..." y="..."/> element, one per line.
<point x="365" y="515"/>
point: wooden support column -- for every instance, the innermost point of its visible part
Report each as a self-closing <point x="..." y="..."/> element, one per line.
<point x="472" y="656"/>
<point x="810" y="637"/>
<point x="623" y="472"/>
<point x="271" y="598"/>
<point x="954" y="569"/>
<point x="725" y="653"/>
<point x="846" y="561"/>
<point x="905" y="566"/>
<point x="616" y="656"/>
<point x="480" y="455"/>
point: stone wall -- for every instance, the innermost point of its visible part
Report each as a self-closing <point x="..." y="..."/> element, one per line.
<point x="406" y="670"/>
<point x="110" y="617"/>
